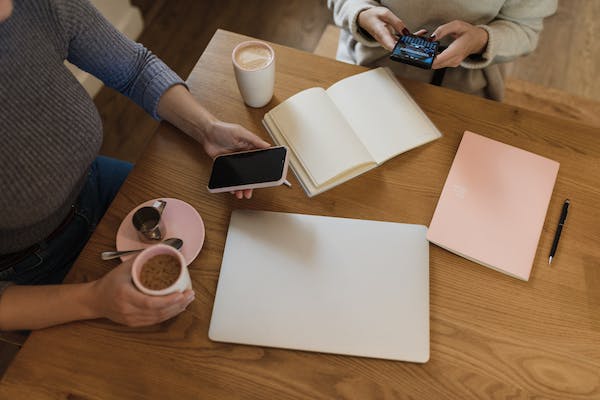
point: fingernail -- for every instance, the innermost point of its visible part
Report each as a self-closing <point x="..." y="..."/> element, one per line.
<point x="405" y="31"/>
<point x="190" y="296"/>
<point x="432" y="35"/>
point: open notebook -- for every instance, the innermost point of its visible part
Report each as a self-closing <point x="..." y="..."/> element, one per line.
<point x="355" y="125"/>
<point x="493" y="205"/>
<point x="325" y="284"/>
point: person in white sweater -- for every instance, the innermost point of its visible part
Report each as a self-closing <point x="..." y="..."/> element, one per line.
<point x="481" y="36"/>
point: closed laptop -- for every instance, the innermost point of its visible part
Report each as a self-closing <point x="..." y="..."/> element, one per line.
<point x="326" y="284"/>
<point x="493" y="205"/>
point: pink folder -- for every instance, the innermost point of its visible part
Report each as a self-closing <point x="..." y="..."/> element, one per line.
<point x="493" y="205"/>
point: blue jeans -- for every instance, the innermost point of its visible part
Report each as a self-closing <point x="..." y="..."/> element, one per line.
<point x="52" y="259"/>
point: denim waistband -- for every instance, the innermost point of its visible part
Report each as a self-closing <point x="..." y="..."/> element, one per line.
<point x="8" y="260"/>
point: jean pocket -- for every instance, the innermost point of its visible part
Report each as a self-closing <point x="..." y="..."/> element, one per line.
<point x="52" y="259"/>
<point x="7" y="274"/>
<point x="86" y="216"/>
<point x="25" y="270"/>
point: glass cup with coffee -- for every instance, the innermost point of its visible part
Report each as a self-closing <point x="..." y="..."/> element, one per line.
<point x="160" y="270"/>
<point x="254" y="67"/>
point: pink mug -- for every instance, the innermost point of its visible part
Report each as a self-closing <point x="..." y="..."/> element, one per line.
<point x="181" y="284"/>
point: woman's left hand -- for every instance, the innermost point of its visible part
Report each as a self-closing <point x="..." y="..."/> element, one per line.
<point x="179" y="107"/>
<point x="468" y="39"/>
<point x="223" y="137"/>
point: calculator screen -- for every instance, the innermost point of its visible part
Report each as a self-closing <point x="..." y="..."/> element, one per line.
<point x="415" y="50"/>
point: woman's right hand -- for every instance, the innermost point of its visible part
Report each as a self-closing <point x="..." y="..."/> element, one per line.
<point x="116" y="298"/>
<point x="382" y="24"/>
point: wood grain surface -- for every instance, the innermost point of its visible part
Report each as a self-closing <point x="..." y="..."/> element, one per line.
<point x="492" y="336"/>
<point x="552" y="101"/>
<point x="567" y="57"/>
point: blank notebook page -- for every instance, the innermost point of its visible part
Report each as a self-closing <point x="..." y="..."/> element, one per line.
<point x="382" y="113"/>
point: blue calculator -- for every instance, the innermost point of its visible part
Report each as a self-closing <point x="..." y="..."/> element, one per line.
<point x="415" y="50"/>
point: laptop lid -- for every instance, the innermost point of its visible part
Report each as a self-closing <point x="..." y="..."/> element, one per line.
<point x="324" y="284"/>
<point x="493" y="205"/>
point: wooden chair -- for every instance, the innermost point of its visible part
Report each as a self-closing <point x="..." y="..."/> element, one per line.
<point x="519" y="93"/>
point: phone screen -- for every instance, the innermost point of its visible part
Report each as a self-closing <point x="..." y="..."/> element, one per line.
<point x="415" y="50"/>
<point x="257" y="166"/>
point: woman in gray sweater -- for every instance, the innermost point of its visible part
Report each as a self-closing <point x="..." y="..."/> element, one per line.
<point x="481" y="36"/>
<point x="54" y="187"/>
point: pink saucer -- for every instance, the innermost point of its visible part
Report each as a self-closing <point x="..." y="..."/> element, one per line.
<point x="181" y="220"/>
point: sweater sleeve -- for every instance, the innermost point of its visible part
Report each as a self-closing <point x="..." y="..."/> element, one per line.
<point x="97" y="47"/>
<point x="345" y="15"/>
<point x="514" y="32"/>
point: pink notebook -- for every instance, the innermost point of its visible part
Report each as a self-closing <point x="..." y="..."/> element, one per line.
<point x="493" y="205"/>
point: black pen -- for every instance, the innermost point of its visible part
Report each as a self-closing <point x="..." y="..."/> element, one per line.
<point x="561" y="222"/>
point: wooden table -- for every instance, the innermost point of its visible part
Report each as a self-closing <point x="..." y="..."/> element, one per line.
<point x="492" y="336"/>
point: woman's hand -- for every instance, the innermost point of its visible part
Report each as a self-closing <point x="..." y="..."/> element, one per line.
<point x="223" y="137"/>
<point x="180" y="108"/>
<point x="382" y="24"/>
<point x="117" y="299"/>
<point x="468" y="39"/>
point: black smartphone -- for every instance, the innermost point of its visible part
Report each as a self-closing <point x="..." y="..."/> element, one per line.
<point x="249" y="170"/>
<point x="415" y="50"/>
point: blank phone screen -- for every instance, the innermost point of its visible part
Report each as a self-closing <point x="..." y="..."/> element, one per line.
<point x="258" y="166"/>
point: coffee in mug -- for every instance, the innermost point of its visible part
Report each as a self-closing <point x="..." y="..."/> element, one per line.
<point x="254" y="67"/>
<point x="160" y="270"/>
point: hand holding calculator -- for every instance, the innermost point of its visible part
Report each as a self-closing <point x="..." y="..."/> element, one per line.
<point x="415" y="50"/>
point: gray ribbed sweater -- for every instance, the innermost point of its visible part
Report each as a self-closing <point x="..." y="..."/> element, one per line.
<point x="50" y="130"/>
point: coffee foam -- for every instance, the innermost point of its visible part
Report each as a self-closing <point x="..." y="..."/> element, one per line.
<point x="253" y="57"/>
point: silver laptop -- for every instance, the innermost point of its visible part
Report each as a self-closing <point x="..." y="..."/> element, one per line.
<point x="325" y="284"/>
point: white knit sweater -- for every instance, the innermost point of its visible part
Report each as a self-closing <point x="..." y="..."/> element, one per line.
<point x="513" y="27"/>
